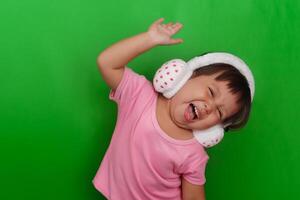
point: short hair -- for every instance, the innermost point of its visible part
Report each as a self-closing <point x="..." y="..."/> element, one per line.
<point x="237" y="84"/>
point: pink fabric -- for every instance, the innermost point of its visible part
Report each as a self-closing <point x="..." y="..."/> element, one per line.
<point x="142" y="162"/>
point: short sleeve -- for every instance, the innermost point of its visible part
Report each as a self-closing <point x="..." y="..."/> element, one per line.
<point x="129" y="86"/>
<point x="193" y="170"/>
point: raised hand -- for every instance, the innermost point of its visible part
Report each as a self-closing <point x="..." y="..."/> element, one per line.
<point x="162" y="33"/>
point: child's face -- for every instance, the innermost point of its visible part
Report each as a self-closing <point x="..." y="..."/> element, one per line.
<point x="210" y="106"/>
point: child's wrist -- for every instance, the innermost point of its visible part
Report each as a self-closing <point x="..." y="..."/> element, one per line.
<point x="151" y="39"/>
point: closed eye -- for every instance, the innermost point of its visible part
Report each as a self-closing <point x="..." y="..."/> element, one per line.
<point x="211" y="92"/>
<point x="220" y="113"/>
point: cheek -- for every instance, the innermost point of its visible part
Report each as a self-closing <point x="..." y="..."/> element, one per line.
<point x="177" y="110"/>
<point x="207" y="122"/>
<point x="173" y="109"/>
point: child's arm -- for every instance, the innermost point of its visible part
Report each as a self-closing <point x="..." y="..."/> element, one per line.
<point x="191" y="191"/>
<point x="112" y="60"/>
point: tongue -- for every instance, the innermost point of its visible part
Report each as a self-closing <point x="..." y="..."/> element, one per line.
<point x="189" y="113"/>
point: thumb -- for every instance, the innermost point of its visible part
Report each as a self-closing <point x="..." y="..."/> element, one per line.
<point x="176" y="41"/>
<point x="157" y="22"/>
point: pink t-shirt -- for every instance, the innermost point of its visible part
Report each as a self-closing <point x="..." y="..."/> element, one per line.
<point x="142" y="162"/>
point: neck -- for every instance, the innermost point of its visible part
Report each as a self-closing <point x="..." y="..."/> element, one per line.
<point x="166" y="122"/>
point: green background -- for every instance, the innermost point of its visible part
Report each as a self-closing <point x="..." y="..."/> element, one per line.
<point x="56" y="119"/>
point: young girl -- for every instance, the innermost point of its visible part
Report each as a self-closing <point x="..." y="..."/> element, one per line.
<point x="154" y="153"/>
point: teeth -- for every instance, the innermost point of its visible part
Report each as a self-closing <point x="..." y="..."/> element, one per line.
<point x="196" y="110"/>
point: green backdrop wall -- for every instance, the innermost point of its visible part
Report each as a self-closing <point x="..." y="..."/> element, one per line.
<point x="56" y="119"/>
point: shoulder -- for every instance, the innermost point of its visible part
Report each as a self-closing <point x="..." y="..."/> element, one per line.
<point x="190" y="153"/>
<point x="131" y="86"/>
<point x="195" y="155"/>
<point x="195" y="151"/>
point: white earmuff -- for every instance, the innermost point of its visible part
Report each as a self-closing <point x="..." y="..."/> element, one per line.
<point x="172" y="75"/>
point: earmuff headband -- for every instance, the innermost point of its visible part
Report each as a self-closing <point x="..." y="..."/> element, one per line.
<point x="172" y="75"/>
<point x="218" y="57"/>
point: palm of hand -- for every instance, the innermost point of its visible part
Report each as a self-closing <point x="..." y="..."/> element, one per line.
<point x="162" y="33"/>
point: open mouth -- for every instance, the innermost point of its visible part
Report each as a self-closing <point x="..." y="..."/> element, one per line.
<point x="195" y="111"/>
<point x="191" y="112"/>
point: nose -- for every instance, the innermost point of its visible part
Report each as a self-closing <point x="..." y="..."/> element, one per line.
<point x="208" y="107"/>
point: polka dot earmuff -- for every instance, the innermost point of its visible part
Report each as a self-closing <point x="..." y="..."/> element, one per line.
<point x="172" y="75"/>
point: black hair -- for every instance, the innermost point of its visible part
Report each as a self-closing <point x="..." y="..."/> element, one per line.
<point x="237" y="84"/>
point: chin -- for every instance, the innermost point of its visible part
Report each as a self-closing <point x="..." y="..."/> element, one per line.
<point x="198" y="125"/>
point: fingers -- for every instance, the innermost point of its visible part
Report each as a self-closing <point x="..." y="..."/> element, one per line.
<point x="177" y="26"/>
<point x="173" y="29"/>
<point x="169" y="29"/>
<point x="176" y="41"/>
<point x="169" y="25"/>
<point x="157" y="22"/>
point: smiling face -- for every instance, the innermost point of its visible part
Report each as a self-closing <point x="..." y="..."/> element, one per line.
<point x="212" y="98"/>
